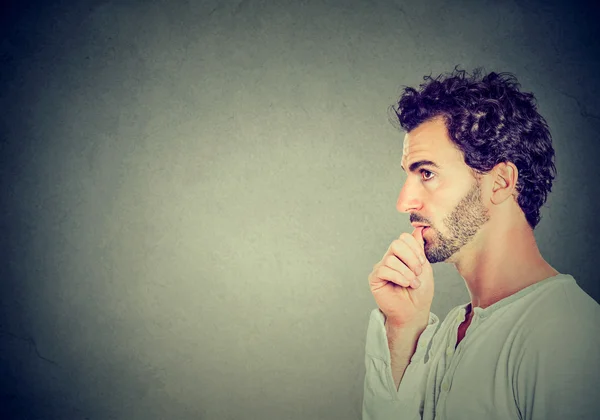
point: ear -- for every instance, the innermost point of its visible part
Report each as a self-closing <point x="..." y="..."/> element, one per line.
<point x="504" y="181"/>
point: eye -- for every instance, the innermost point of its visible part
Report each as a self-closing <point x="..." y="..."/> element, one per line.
<point x="428" y="174"/>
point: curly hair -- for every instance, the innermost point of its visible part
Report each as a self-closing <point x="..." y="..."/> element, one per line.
<point x="491" y="121"/>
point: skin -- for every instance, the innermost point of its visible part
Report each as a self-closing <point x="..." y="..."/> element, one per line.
<point x="476" y="222"/>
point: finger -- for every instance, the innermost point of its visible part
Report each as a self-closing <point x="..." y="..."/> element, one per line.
<point x="417" y="235"/>
<point x="394" y="263"/>
<point x="387" y="274"/>
<point x="414" y="254"/>
<point x="413" y="243"/>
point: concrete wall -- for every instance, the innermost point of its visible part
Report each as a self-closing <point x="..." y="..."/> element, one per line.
<point x="193" y="193"/>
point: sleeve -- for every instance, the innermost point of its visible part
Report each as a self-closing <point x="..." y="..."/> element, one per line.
<point x="559" y="373"/>
<point x="380" y="399"/>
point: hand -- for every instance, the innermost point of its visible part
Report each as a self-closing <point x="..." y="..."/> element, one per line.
<point x="402" y="282"/>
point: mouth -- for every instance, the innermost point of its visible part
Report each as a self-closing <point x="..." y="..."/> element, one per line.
<point x="418" y="225"/>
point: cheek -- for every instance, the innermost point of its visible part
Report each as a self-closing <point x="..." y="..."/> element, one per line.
<point x="439" y="227"/>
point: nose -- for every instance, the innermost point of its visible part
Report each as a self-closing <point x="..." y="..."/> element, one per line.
<point x="409" y="199"/>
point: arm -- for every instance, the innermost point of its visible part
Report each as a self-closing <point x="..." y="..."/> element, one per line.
<point x="402" y="284"/>
<point x="402" y="343"/>
<point x="395" y="389"/>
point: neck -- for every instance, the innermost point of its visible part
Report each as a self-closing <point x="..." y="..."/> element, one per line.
<point x="500" y="261"/>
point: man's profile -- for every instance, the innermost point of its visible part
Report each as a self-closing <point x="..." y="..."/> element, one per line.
<point x="480" y="164"/>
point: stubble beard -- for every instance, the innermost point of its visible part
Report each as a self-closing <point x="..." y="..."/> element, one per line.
<point x="463" y="223"/>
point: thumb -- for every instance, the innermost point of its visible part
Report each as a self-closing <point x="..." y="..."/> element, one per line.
<point x="418" y="235"/>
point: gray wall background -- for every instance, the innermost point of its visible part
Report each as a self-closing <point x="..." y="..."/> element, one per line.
<point x="194" y="193"/>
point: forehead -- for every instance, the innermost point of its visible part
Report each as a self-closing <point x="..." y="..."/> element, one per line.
<point x="430" y="141"/>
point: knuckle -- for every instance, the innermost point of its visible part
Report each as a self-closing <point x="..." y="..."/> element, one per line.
<point x="411" y="276"/>
<point x="414" y="262"/>
<point x="400" y="242"/>
<point x="405" y="237"/>
<point x="389" y="260"/>
<point x="380" y="271"/>
<point x="418" y="270"/>
<point x="404" y="280"/>
<point x="398" y="246"/>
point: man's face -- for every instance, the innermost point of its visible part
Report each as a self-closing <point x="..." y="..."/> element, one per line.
<point x="440" y="191"/>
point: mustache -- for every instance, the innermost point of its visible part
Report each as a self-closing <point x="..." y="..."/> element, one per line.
<point x="415" y="218"/>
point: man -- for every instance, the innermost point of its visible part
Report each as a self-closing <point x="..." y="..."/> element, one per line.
<point x="479" y="164"/>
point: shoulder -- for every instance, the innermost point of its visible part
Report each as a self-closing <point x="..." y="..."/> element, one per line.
<point x="557" y="307"/>
<point x="561" y="327"/>
<point x="558" y="364"/>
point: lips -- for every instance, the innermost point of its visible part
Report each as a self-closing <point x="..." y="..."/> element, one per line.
<point x="418" y="225"/>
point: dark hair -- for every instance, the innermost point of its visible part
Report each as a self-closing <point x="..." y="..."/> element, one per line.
<point x="491" y="121"/>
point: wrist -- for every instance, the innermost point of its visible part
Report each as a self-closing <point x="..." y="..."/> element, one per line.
<point x="419" y="322"/>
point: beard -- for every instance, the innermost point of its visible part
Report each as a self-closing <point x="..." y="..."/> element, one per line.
<point x="462" y="224"/>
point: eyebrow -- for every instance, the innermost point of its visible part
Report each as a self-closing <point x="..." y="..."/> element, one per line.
<point x="416" y="165"/>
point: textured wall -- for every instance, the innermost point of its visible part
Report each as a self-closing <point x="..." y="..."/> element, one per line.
<point x="193" y="193"/>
